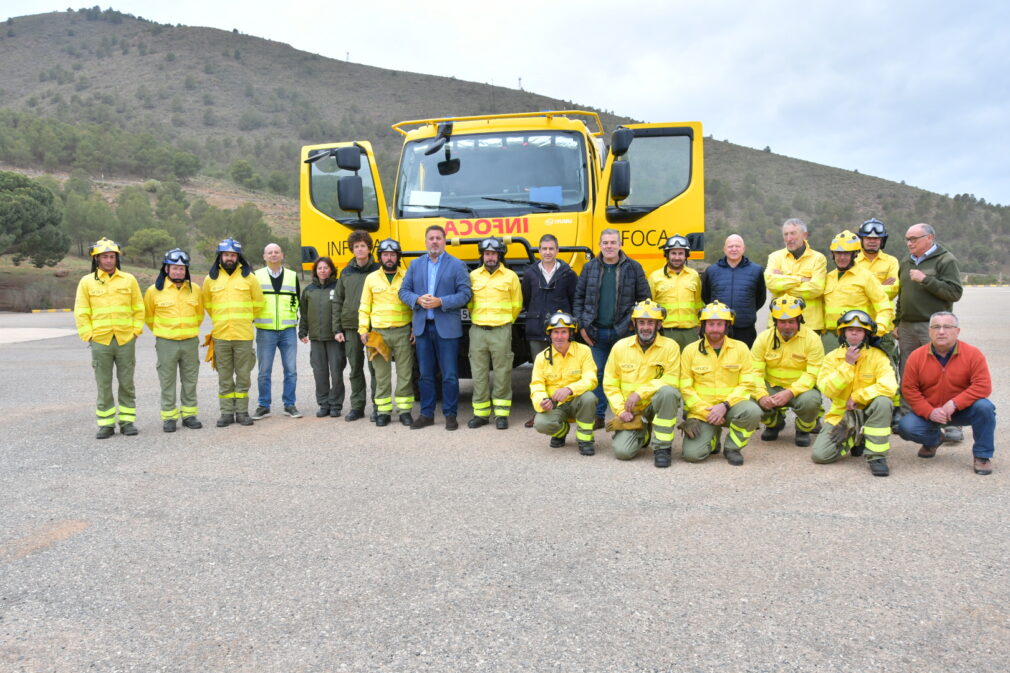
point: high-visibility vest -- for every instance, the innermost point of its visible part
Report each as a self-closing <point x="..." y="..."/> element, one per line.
<point x="280" y="310"/>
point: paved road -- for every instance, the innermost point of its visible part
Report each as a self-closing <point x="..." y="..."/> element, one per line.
<point x="320" y="545"/>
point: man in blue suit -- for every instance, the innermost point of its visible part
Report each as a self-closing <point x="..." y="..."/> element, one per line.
<point x="436" y="287"/>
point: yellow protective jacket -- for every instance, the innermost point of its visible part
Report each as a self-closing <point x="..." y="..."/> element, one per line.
<point x="630" y="370"/>
<point x="280" y="308"/>
<point x="794" y="365"/>
<point x="233" y="301"/>
<point x="856" y="288"/>
<point x="811" y="264"/>
<point x="109" y="306"/>
<point x="884" y="266"/>
<point x="679" y="294"/>
<point x="872" y="376"/>
<point x="497" y="298"/>
<point x="380" y="305"/>
<point x="708" y="379"/>
<point x="576" y="370"/>
<point x="174" y="313"/>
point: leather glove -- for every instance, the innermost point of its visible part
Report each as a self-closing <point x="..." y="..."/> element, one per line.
<point x="691" y="427"/>
<point x="615" y="424"/>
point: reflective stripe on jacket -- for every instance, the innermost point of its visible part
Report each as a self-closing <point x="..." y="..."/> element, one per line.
<point x="497" y="297"/>
<point x="233" y="301"/>
<point x="872" y="376"/>
<point x="679" y="293"/>
<point x="708" y="379"/>
<point x="812" y="265"/>
<point x="884" y="266"/>
<point x="280" y="308"/>
<point x="109" y="306"/>
<point x="630" y="370"/>
<point x="381" y="306"/>
<point x="174" y="312"/>
<point x="856" y="288"/>
<point x="576" y="370"/>
<point x="793" y="365"/>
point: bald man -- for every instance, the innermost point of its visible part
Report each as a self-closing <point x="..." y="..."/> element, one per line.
<point x="739" y="283"/>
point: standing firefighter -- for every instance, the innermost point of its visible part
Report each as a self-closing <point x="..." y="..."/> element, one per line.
<point x="174" y="311"/>
<point x="561" y="387"/>
<point x="109" y="312"/>
<point x="496" y="303"/>
<point x="852" y="287"/>
<point x="233" y="298"/>
<point x="640" y="382"/>
<point x="873" y="235"/>
<point x="383" y="312"/>
<point x="677" y="288"/>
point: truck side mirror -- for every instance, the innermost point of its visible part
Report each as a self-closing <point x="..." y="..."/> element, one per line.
<point x="349" y="159"/>
<point x="620" y="180"/>
<point x="350" y="194"/>
<point x="620" y="141"/>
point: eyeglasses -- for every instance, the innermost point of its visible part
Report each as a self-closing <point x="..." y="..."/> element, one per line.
<point x="909" y="239"/>
<point x="941" y="328"/>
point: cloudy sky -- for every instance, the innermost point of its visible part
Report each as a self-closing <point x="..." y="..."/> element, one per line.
<point x="914" y="91"/>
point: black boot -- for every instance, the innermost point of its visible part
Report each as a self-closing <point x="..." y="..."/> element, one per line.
<point x="661" y="457"/>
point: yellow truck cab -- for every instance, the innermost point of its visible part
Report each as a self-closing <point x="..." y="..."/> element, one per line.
<point x="514" y="176"/>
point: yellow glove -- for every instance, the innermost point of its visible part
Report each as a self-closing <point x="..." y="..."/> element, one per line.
<point x="208" y="341"/>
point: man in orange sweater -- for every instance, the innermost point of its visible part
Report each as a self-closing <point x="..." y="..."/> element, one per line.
<point x="947" y="382"/>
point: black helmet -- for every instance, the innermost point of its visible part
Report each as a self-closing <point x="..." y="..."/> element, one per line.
<point x="389" y="245"/>
<point x="873" y="227"/>
<point x="493" y="244"/>
<point x="674" y="242"/>
<point x="173" y="256"/>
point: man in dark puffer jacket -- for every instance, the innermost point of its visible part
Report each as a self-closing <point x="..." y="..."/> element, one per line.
<point x="739" y="283"/>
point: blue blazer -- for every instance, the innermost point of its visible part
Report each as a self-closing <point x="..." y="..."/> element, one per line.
<point x="452" y="286"/>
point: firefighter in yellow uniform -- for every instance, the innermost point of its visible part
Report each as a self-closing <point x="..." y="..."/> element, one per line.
<point x="109" y="312"/>
<point x="787" y="359"/>
<point x="562" y="385"/>
<point x="852" y="287"/>
<point x="174" y="311"/>
<point x="640" y="382"/>
<point x="382" y="310"/>
<point x="496" y="303"/>
<point x="873" y="236"/>
<point x="233" y="299"/>
<point x="858" y="379"/>
<point x="717" y="382"/>
<point x="798" y="270"/>
<point x="677" y="288"/>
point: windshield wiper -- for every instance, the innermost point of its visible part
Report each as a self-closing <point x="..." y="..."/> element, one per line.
<point x="455" y="209"/>
<point x="546" y="205"/>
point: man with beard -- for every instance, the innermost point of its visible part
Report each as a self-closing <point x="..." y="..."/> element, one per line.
<point x="640" y="381"/>
<point x="798" y="270"/>
<point x="109" y="312"/>
<point x="873" y="237"/>
<point x="496" y="303"/>
<point x="677" y="288"/>
<point x="174" y="311"/>
<point x="852" y="287"/>
<point x="561" y="387"/>
<point x="233" y="299"/>
<point x="858" y="379"/>
<point x="787" y="359"/>
<point x="383" y="311"/>
<point x="716" y="380"/>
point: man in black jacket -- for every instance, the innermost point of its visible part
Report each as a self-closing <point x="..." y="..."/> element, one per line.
<point x="548" y="287"/>
<point x="740" y="284"/>
<point x="609" y="287"/>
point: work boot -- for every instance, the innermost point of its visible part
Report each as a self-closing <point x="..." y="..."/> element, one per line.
<point x="406" y="418"/>
<point x="734" y="457"/>
<point x="292" y="411"/>
<point x="225" y="420"/>
<point x="587" y="448"/>
<point x="423" y="421"/>
<point x="501" y="423"/>
<point x="450" y="423"/>
<point x="105" y="432"/>
<point x="952" y="434"/>
<point x="529" y="423"/>
<point x="168" y="425"/>
<point x="879" y="468"/>
<point x="192" y="422"/>
<point x="334" y="412"/>
<point x="128" y="429"/>
<point x="323" y="412"/>
<point x="600" y="423"/>
<point x="374" y="416"/>
<point x="857" y="450"/>
<point x="354" y="414"/>
<point x="771" y="433"/>
<point x="802" y="438"/>
<point x="661" y="457"/>
<point x="476" y="422"/>
<point x="243" y="418"/>
<point x="382" y="420"/>
<point x="557" y="442"/>
<point x="817" y="428"/>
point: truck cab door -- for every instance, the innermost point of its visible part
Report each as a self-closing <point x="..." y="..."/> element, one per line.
<point x="340" y="191"/>
<point x="660" y="170"/>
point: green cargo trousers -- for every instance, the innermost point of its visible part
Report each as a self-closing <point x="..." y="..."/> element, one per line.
<point x="182" y="358"/>
<point x="682" y="335"/>
<point x="876" y="420"/>
<point x="581" y="409"/>
<point x="234" y="360"/>
<point x="491" y="347"/>
<point x="122" y="358"/>
<point x="402" y="352"/>
<point x="741" y="421"/>
<point x="806" y="406"/>
<point x="660" y="419"/>
<point x="356" y="362"/>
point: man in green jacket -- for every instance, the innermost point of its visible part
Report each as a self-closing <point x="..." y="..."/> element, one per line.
<point x="345" y="319"/>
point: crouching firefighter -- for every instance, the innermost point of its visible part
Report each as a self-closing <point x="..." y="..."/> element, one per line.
<point x="858" y="379"/>
<point x="640" y="382"/>
<point x="173" y="311"/>
<point x="561" y="388"/>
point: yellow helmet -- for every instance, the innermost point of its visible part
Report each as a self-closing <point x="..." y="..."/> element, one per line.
<point x="857" y="318"/>
<point x="846" y="242"/>
<point x="787" y="306"/>
<point x="105" y="245"/>
<point x="717" y="311"/>
<point x="648" y="309"/>
<point x="561" y="319"/>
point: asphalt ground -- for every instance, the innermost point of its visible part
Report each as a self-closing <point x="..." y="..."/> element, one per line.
<point x="320" y="545"/>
